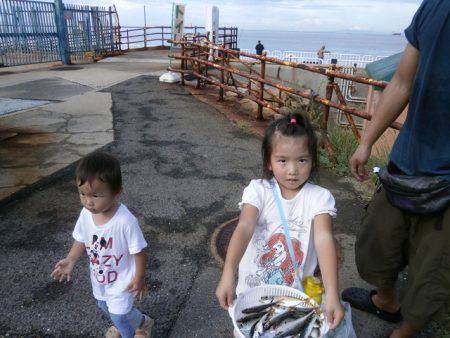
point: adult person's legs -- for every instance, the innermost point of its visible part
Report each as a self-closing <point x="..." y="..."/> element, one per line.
<point x="388" y="240"/>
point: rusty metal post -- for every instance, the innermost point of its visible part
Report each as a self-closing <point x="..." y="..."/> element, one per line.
<point x="280" y="98"/>
<point x="198" y="66"/>
<point x="328" y="97"/>
<point x="183" y="62"/>
<point x="128" y="41"/>
<point x="350" y="120"/>
<point x="222" y="73"/>
<point x="162" y="36"/>
<point x="326" y="113"/>
<point x="206" y="55"/>
<point x="260" y="116"/>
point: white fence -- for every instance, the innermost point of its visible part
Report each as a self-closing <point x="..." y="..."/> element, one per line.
<point x="311" y="57"/>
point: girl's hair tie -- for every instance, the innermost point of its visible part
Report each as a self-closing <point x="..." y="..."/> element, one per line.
<point x="293" y="120"/>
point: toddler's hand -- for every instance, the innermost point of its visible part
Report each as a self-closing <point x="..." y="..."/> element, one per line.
<point x="137" y="285"/>
<point x="63" y="269"/>
<point x="334" y="312"/>
<point x="225" y="291"/>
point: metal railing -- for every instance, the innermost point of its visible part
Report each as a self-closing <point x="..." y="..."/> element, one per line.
<point x="132" y="37"/>
<point x="343" y="59"/>
<point x="199" y="58"/>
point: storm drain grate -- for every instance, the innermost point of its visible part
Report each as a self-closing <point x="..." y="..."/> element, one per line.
<point x="221" y="239"/>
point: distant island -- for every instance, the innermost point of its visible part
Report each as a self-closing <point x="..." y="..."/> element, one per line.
<point x="396" y="33"/>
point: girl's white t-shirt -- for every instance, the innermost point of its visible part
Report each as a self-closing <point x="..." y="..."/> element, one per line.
<point x="266" y="259"/>
<point x="110" y="248"/>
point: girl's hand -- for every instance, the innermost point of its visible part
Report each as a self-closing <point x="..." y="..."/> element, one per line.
<point x="63" y="269"/>
<point x="334" y="312"/>
<point x="225" y="291"/>
<point x="137" y="285"/>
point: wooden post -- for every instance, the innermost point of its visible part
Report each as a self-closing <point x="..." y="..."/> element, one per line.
<point x="162" y="36"/>
<point x="128" y="41"/>
<point x="222" y="72"/>
<point x="260" y="116"/>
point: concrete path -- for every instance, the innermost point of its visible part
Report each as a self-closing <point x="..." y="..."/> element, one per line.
<point x="50" y="117"/>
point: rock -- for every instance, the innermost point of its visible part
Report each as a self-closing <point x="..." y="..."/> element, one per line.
<point x="249" y="105"/>
<point x="268" y="113"/>
<point x="231" y="94"/>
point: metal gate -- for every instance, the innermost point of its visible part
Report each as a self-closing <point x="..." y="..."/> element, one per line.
<point x="90" y="30"/>
<point x="35" y="31"/>
<point x="28" y="33"/>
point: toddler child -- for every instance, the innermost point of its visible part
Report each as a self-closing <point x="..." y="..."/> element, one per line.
<point x="114" y="243"/>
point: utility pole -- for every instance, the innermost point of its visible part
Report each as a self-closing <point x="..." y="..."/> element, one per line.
<point x="145" y="18"/>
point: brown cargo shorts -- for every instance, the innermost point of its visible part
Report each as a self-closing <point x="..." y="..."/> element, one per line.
<point x="389" y="240"/>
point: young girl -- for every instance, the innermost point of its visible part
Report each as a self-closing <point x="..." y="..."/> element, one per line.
<point x="259" y="245"/>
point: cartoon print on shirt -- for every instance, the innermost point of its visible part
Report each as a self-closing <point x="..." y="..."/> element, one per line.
<point x="274" y="262"/>
<point x="102" y="264"/>
<point x="276" y="265"/>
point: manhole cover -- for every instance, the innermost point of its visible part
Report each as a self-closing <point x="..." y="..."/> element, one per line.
<point x="67" y="68"/>
<point x="221" y="239"/>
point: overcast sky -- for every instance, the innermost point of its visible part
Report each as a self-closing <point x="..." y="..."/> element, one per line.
<point x="385" y="16"/>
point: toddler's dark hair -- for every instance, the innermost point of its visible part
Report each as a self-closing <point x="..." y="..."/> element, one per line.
<point x="101" y="166"/>
<point x="284" y="126"/>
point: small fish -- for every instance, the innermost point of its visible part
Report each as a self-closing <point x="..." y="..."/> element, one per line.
<point x="290" y="302"/>
<point x="282" y="315"/>
<point x="248" y="327"/>
<point x="294" y="327"/>
<point x="259" y="327"/>
<point x="249" y="317"/>
<point x="258" y="308"/>
<point x="309" y="328"/>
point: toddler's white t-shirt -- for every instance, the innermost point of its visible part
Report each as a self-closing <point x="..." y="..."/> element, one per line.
<point x="266" y="259"/>
<point x="110" y="248"/>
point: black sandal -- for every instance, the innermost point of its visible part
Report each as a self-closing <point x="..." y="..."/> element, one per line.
<point x="361" y="299"/>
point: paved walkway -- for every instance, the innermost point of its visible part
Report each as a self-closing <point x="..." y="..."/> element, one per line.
<point x="184" y="166"/>
<point x="50" y="117"/>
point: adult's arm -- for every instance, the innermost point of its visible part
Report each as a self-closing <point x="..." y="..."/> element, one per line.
<point x="393" y="101"/>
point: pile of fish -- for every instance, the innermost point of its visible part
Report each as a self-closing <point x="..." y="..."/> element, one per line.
<point x="277" y="317"/>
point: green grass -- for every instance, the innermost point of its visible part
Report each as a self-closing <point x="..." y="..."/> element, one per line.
<point x="344" y="144"/>
<point x="245" y="126"/>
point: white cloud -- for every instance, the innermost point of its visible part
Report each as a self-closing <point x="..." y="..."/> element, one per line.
<point x="385" y="16"/>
